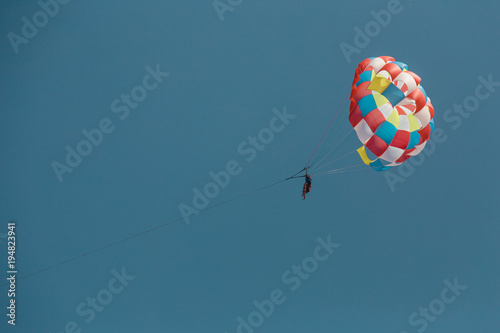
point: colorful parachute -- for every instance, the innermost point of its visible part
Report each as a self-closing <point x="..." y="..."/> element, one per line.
<point x="390" y="112"/>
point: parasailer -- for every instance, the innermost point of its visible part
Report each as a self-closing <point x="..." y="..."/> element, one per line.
<point x="307" y="186"/>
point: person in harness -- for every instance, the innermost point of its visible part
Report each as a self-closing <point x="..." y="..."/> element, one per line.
<point x="307" y="186"/>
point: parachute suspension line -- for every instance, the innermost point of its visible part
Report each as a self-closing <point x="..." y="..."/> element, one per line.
<point x="330" y="149"/>
<point x="344" y="100"/>
<point x="335" y="160"/>
<point x="332" y="137"/>
<point x="337" y="146"/>
<point x="293" y="176"/>
<point x="346" y="169"/>
<point x="359" y="165"/>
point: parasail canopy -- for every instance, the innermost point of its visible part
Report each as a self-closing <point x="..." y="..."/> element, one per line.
<point x="390" y="112"/>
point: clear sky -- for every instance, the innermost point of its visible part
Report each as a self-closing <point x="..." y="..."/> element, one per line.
<point x="416" y="253"/>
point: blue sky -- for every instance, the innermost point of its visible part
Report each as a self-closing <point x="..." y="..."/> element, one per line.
<point x="399" y="244"/>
